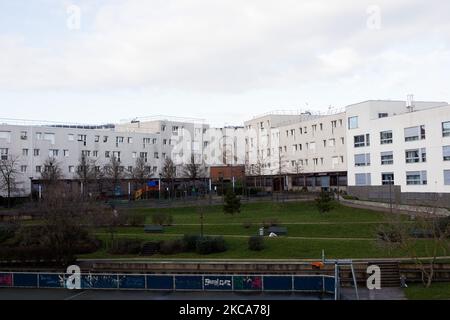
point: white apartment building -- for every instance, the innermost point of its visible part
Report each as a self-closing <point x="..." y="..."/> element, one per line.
<point x="403" y="143"/>
<point x="316" y="150"/>
<point x="32" y="144"/>
<point x="306" y="150"/>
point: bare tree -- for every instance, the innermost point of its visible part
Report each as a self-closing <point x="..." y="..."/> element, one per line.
<point x="8" y="176"/>
<point x="169" y="172"/>
<point x="281" y="168"/>
<point x="86" y="173"/>
<point x="426" y="235"/>
<point x="113" y="173"/>
<point x="52" y="174"/>
<point x="141" y="173"/>
<point x="194" y="170"/>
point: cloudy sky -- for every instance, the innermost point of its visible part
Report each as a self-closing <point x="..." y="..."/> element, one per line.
<point x="97" y="61"/>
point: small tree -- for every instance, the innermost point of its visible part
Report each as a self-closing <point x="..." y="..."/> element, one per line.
<point x="141" y="173"/>
<point x="113" y="173"/>
<point x="52" y="173"/>
<point x="169" y="172"/>
<point x="86" y="172"/>
<point x="324" y="202"/>
<point x="8" y="176"/>
<point x="232" y="203"/>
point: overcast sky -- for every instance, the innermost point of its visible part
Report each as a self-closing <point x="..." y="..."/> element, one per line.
<point x="98" y="61"/>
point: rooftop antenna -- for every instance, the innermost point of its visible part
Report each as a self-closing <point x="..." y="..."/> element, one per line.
<point x="410" y="102"/>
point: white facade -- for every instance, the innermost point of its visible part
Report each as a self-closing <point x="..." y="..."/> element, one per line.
<point x="406" y="144"/>
<point x="32" y="145"/>
<point x="314" y="146"/>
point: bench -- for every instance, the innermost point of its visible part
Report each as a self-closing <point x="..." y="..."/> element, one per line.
<point x="279" y="231"/>
<point x="153" y="229"/>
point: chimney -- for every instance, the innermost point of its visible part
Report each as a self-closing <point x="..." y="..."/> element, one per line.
<point x="410" y="102"/>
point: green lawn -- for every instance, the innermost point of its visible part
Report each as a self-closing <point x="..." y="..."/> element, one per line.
<point x="343" y="233"/>
<point x="437" y="291"/>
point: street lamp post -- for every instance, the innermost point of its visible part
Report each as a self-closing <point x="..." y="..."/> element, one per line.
<point x="390" y="193"/>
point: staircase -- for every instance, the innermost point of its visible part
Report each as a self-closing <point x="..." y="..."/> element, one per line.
<point x="390" y="274"/>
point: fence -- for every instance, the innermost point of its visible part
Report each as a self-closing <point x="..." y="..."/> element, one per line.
<point x="323" y="284"/>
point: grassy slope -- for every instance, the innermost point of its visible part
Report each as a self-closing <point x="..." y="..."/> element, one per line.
<point x="342" y="222"/>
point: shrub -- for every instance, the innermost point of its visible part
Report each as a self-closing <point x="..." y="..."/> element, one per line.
<point x="163" y="219"/>
<point x="125" y="246"/>
<point x="208" y="245"/>
<point x="7" y="231"/>
<point x="232" y="203"/>
<point x="172" y="246"/>
<point x="190" y="241"/>
<point x="324" y="202"/>
<point x="150" y="247"/>
<point x="256" y="243"/>
<point x="348" y="197"/>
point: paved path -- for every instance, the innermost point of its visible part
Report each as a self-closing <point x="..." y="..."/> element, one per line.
<point x="246" y="236"/>
<point x="63" y="294"/>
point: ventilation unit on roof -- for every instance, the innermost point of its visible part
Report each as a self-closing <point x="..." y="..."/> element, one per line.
<point x="410" y="102"/>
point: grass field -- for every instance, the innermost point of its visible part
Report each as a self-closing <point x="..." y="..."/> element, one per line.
<point x="437" y="291"/>
<point x="343" y="233"/>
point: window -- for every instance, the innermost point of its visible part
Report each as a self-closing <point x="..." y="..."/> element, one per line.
<point x="324" y="143"/>
<point x="105" y="139"/>
<point x="386" y="137"/>
<point x="85" y="153"/>
<point x="321" y="126"/>
<point x="154" y="140"/>
<point x="36" y="152"/>
<point x="119" y="140"/>
<point x="331" y="142"/>
<point x="107" y="154"/>
<point x="362" y="160"/>
<point x="415" y="133"/>
<point x="362" y="179"/>
<point x="134" y="155"/>
<point x="96" y="138"/>
<point x="95" y="154"/>
<point x="143" y="156"/>
<point x="82" y="137"/>
<point x="387" y="158"/>
<point x="156" y="155"/>
<point x="163" y="127"/>
<point x="353" y="122"/>
<point x="416" y="155"/>
<point x="53" y="153"/>
<point x="38" y="135"/>
<point x="38" y="169"/>
<point x="66" y="153"/>
<point x="23" y="169"/>
<point x="116" y="155"/>
<point x="416" y="177"/>
<point x="71" y="169"/>
<point x="446" y="129"/>
<point x="446" y="153"/>
<point x="49" y="137"/>
<point x="130" y="169"/>
<point x="4" y="154"/>
<point x="25" y="152"/>
<point x="312" y="146"/>
<point x="361" y="140"/>
<point x="447" y="177"/>
<point x="23" y="135"/>
<point x="130" y="139"/>
<point x="342" y="140"/>
<point x="314" y="127"/>
<point x="382" y="115"/>
<point x="387" y="178"/>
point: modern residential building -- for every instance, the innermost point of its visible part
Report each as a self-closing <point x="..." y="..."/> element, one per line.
<point x="406" y="144"/>
<point x="370" y="147"/>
